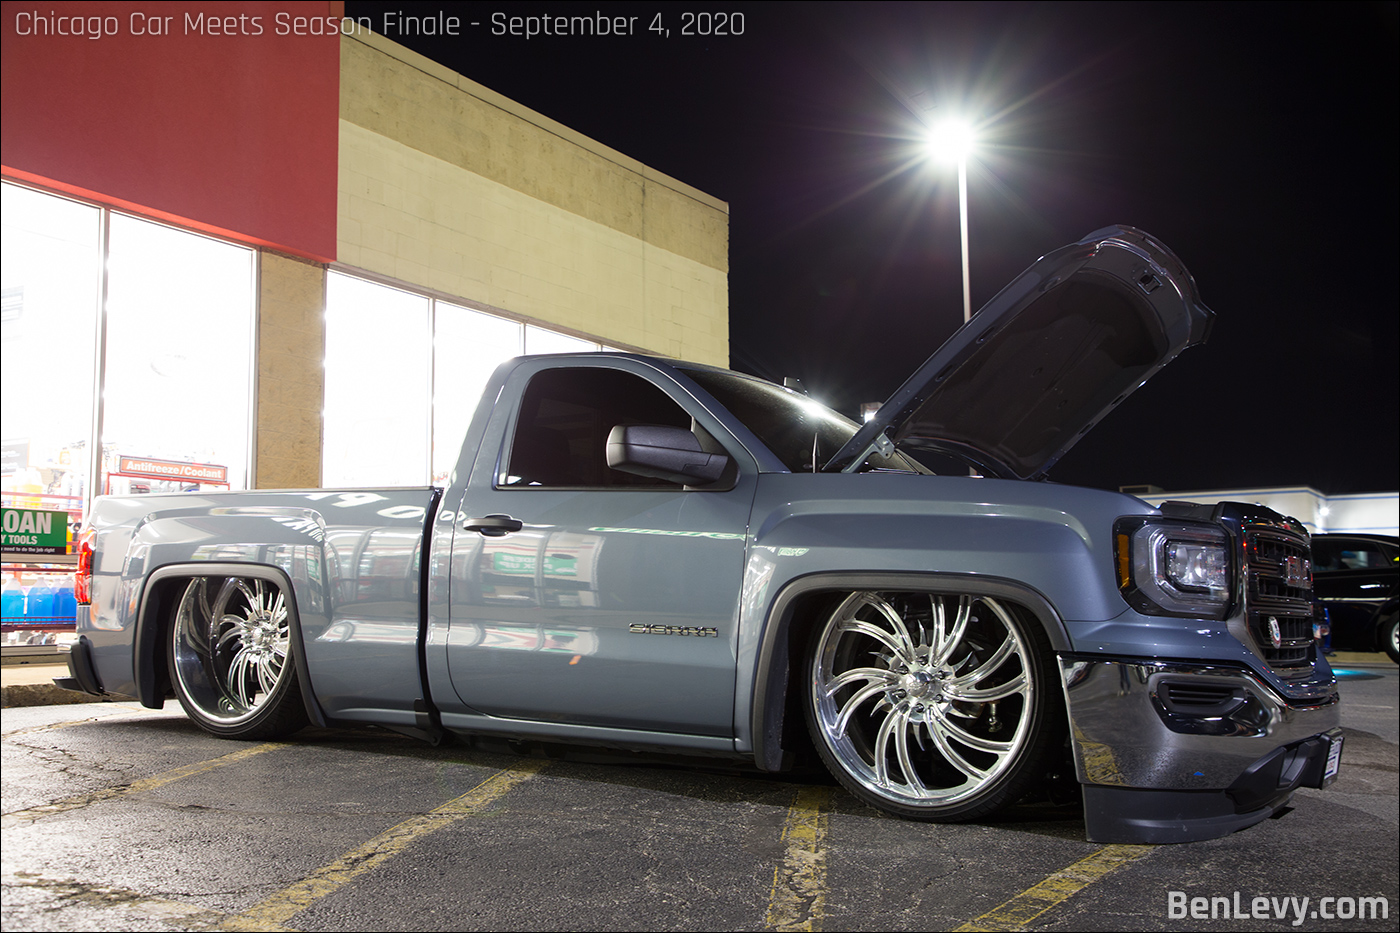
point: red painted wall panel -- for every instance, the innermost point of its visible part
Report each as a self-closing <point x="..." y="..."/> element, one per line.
<point x="232" y="130"/>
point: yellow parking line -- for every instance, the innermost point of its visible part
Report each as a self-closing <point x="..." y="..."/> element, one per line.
<point x="1016" y="913"/>
<point x="798" y="898"/>
<point x="273" y="912"/>
<point x="136" y="787"/>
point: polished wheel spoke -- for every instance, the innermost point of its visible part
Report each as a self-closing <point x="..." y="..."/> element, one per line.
<point x="998" y="657"/>
<point x="939" y="732"/>
<point x="900" y="648"/>
<point x="948" y="640"/>
<point x="854" y="703"/>
<point x="1016" y="686"/>
<point x="873" y="674"/>
<point x="957" y="733"/>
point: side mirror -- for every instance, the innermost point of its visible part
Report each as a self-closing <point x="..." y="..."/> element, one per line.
<point x="664" y="452"/>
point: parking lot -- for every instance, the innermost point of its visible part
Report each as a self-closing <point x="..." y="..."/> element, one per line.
<point x="121" y="818"/>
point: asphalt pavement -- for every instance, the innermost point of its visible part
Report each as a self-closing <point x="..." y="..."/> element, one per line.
<point x="122" y="818"/>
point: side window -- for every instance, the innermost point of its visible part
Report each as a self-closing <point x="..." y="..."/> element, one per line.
<point x="565" y="417"/>
<point x="1347" y="554"/>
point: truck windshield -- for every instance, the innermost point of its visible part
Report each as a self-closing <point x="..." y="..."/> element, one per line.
<point x="802" y="433"/>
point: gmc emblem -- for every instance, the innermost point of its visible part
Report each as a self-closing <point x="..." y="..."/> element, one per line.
<point x="1298" y="572"/>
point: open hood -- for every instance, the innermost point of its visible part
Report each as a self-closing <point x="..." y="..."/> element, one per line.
<point x="1044" y="360"/>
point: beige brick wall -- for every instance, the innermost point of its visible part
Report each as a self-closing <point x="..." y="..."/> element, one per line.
<point x="291" y="375"/>
<point x="447" y="185"/>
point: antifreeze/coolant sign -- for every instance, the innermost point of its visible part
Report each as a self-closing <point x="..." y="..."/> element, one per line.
<point x="35" y="531"/>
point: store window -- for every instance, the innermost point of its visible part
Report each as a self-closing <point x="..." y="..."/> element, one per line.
<point x="170" y="353"/>
<point x="376" y="424"/>
<point x="179" y="360"/>
<point x="51" y="266"/>
<point x="404" y="373"/>
<point x="467" y="347"/>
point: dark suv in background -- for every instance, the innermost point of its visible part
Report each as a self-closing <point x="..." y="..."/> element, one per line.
<point x="1356" y="578"/>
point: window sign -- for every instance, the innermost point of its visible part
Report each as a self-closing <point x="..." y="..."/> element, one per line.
<point x="34" y="531"/>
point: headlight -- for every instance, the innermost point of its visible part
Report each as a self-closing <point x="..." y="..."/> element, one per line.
<point x="1174" y="568"/>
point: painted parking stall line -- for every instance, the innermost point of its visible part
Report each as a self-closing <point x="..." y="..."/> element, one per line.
<point x="1018" y="912"/>
<point x="798" y="897"/>
<point x="273" y="912"/>
<point x="136" y="787"/>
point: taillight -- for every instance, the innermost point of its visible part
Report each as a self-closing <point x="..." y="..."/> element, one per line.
<point x="82" y="581"/>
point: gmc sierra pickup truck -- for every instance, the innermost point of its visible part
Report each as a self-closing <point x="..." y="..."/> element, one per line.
<point x="649" y="554"/>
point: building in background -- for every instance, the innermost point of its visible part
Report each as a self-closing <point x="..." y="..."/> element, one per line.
<point x="1376" y="513"/>
<point x="258" y="245"/>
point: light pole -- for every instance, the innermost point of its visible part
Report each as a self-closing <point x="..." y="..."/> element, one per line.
<point x="953" y="139"/>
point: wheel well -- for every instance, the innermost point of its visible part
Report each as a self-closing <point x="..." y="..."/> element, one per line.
<point x="158" y="605"/>
<point x="159" y="601"/>
<point x="780" y="737"/>
<point x="805" y="614"/>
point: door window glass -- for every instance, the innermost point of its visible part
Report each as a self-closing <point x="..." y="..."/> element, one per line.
<point x="565" y="418"/>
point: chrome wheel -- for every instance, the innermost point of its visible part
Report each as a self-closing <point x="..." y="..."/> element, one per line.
<point x="928" y="706"/>
<point x="230" y="658"/>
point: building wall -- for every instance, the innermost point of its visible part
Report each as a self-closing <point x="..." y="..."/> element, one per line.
<point x="291" y="377"/>
<point x="1372" y="513"/>
<point x="447" y="185"/>
<point x="228" y="132"/>
<point x="440" y="185"/>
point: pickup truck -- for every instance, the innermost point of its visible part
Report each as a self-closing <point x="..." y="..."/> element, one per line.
<point x="647" y="554"/>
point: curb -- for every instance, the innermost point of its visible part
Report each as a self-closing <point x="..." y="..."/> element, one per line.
<point x="15" y="695"/>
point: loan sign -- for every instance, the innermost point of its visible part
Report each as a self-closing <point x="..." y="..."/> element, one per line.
<point x="34" y="531"/>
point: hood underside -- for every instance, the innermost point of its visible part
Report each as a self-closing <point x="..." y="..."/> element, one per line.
<point x="1044" y="360"/>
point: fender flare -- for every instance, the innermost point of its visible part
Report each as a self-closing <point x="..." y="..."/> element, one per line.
<point x="774" y="662"/>
<point x="150" y="627"/>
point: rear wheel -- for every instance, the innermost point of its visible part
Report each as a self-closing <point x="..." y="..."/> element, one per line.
<point x="1390" y="637"/>
<point x="231" y="658"/>
<point x="931" y="707"/>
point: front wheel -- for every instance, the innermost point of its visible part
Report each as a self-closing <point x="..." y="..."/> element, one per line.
<point x="929" y="706"/>
<point x="1390" y="637"/>
<point x="231" y="658"/>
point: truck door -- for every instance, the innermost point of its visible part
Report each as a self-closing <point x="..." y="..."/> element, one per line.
<point x="589" y="596"/>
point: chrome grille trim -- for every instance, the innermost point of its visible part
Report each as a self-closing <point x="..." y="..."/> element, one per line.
<point x="1271" y="602"/>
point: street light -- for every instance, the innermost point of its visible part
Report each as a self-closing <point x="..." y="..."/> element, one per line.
<point x="949" y="140"/>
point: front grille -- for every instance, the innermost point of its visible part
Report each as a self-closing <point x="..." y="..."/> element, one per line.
<point x="1278" y="609"/>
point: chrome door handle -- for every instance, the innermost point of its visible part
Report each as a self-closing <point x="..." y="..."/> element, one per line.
<point x="493" y="526"/>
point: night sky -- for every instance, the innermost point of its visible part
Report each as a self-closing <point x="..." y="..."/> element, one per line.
<point x="1258" y="141"/>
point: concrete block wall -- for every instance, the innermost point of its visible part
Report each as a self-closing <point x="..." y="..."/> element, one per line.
<point x="291" y="374"/>
<point x="447" y="185"/>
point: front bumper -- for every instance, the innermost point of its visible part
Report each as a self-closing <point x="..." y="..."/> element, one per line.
<point x="1177" y="752"/>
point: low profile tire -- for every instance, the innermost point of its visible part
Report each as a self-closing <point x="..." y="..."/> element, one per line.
<point x="1390" y="637"/>
<point x="932" y="707"/>
<point x="231" y="658"/>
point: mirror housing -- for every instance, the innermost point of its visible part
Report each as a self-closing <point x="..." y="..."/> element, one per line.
<point x="664" y="452"/>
